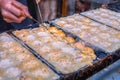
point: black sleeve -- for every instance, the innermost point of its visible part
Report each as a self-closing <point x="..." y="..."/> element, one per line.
<point x="32" y="8"/>
<point x="4" y="26"/>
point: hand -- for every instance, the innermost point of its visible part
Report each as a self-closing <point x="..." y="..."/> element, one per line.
<point x="13" y="11"/>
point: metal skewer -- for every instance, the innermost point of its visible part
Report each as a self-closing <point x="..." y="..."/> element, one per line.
<point x="33" y="19"/>
<point x="39" y="11"/>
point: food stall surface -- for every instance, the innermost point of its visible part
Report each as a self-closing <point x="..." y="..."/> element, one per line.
<point x="110" y="73"/>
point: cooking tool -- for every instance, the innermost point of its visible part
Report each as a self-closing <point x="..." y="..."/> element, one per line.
<point x="39" y="11"/>
<point x="33" y="19"/>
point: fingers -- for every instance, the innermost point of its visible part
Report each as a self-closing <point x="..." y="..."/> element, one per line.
<point x="10" y="21"/>
<point x="21" y="7"/>
<point x="13" y="10"/>
<point x="9" y="17"/>
<point x="16" y="21"/>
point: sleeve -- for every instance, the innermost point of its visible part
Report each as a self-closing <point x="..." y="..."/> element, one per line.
<point x="3" y="25"/>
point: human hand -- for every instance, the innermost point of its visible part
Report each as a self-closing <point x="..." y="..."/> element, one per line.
<point x="13" y="11"/>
